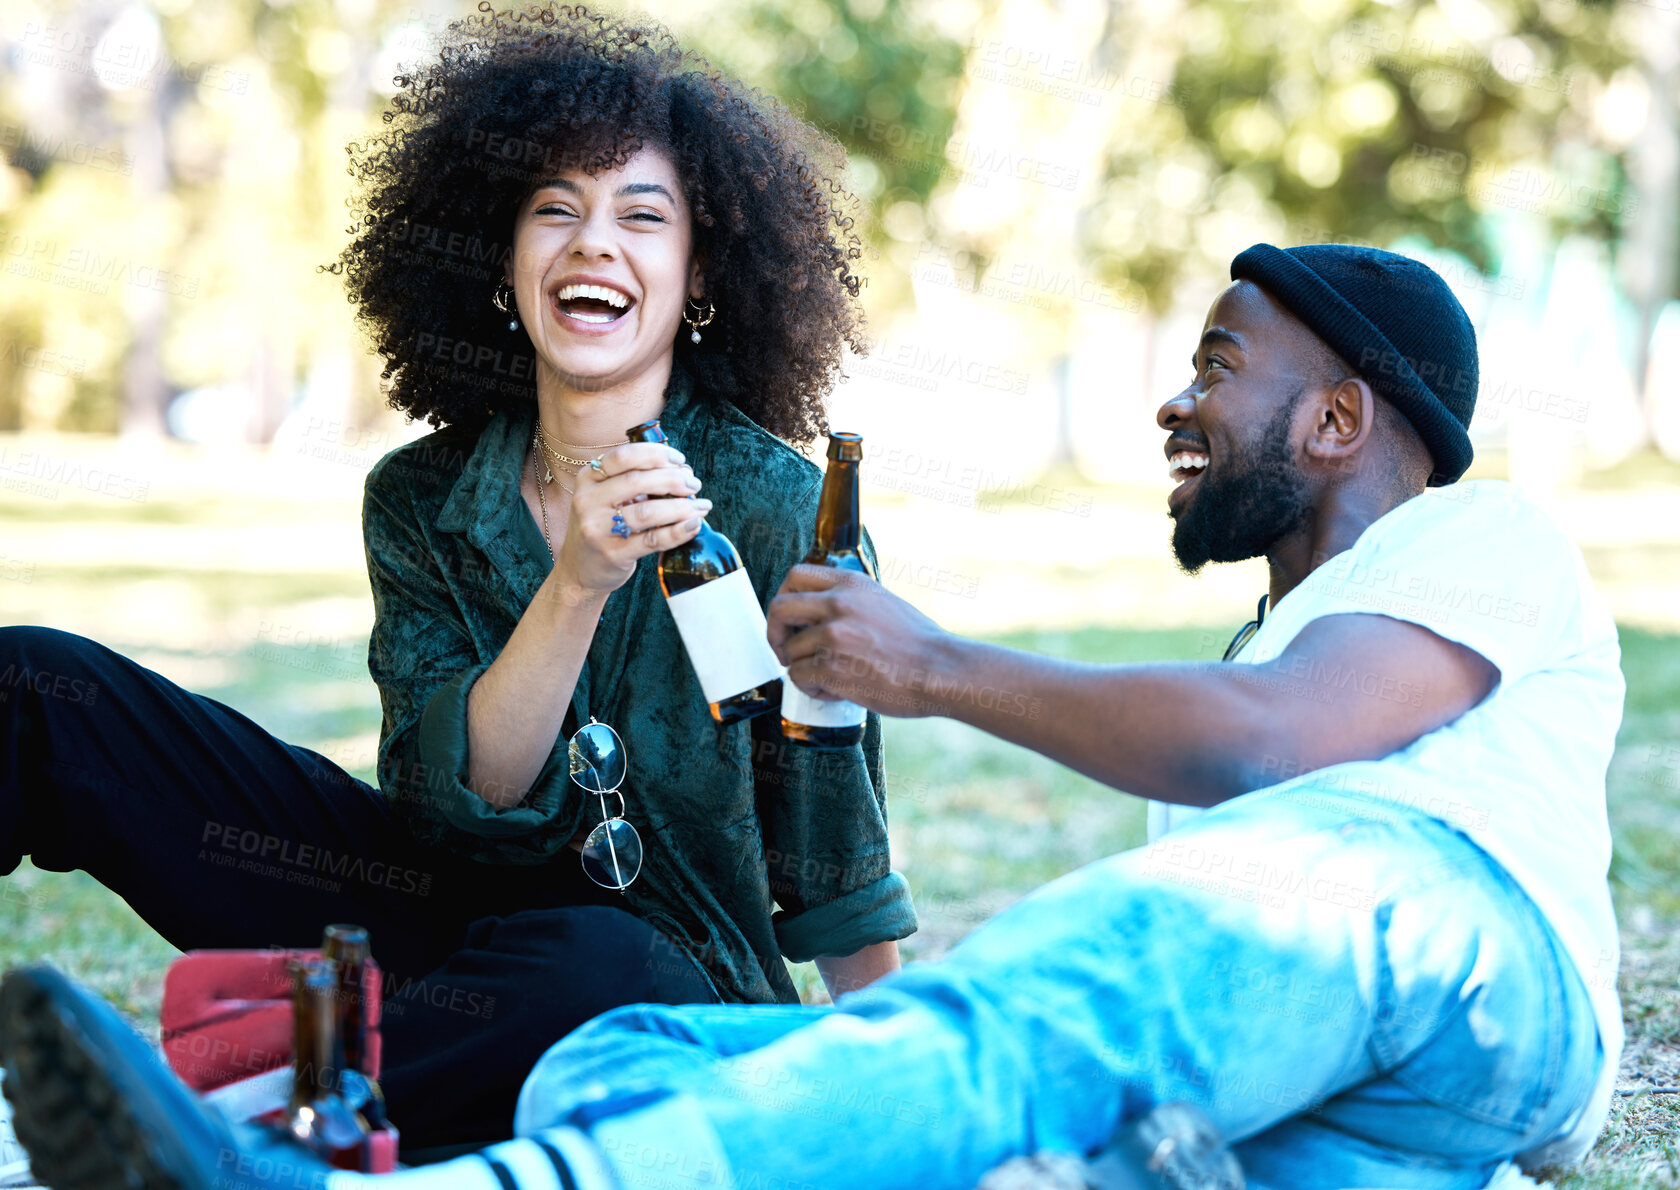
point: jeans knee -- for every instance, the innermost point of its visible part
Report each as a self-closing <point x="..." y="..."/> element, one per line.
<point x="660" y="1019"/>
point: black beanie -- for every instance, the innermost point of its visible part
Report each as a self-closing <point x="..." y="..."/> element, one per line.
<point x="1397" y="325"/>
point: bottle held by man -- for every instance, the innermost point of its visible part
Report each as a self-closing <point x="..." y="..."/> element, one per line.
<point x="719" y="618"/>
<point x="814" y="722"/>
<point x="317" y="1116"/>
<point x="348" y="946"/>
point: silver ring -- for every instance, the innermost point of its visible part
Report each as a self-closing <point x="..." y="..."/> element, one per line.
<point x="594" y="464"/>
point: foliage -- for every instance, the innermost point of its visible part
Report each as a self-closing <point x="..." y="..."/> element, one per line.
<point x="1358" y="120"/>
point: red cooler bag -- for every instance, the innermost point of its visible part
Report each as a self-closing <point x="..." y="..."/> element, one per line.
<point x="227" y="1032"/>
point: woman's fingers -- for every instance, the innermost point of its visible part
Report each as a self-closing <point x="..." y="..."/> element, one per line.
<point x="657" y="540"/>
<point x="631" y="521"/>
<point x="635" y="456"/>
<point x="626" y="486"/>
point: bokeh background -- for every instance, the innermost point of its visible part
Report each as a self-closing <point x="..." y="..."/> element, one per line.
<point x="1052" y="189"/>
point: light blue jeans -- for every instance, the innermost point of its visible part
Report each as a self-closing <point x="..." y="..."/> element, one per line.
<point x="1354" y="993"/>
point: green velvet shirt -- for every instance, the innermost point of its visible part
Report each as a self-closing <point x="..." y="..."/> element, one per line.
<point x="755" y="849"/>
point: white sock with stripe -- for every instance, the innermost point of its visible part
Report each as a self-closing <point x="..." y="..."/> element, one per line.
<point x="555" y="1159"/>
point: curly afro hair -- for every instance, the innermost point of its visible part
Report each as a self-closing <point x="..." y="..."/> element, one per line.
<point x="516" y="97"/>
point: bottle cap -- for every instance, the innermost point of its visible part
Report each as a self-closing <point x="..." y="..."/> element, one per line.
<point x="345" y="943"/>
<point x="847" y="448"/>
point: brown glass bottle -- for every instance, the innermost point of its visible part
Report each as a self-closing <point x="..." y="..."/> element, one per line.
<point x="719" y="618"/>
<point x="316" y="1115"/>
<point x="348" y="946"/>
<point x="814" y="722"/>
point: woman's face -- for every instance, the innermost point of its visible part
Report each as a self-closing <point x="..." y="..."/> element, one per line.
<point x="601" y="267"/>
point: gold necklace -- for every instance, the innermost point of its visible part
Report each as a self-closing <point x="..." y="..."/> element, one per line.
<point x="548" y="471"/>
<point x="568" y="460"/>
<point x="542" y="500"/>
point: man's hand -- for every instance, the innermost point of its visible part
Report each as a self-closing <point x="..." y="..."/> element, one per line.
<point x="842" y="635"/>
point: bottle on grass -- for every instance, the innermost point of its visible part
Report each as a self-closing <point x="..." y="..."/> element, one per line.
<point x="348" y="946"/>
<point x="316" y="1115"/>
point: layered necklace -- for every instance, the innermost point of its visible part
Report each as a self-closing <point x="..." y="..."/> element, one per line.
<point x="568" y="464"/>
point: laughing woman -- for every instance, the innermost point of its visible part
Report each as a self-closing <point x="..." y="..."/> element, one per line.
<point x="569" y="226"/>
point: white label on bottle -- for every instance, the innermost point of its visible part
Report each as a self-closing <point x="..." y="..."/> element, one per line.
<point x="723" y="630"/>
<point x="799" y="707"/>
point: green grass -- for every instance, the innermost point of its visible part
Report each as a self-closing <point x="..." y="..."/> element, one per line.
<point x="976" y="824"/>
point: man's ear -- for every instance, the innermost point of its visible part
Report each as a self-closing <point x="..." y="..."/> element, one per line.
<point x="1344" y="421"/>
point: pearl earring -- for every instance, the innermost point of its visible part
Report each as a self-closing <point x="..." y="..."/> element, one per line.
<point x="699" y="318"/>
<point x="502" y="299"/>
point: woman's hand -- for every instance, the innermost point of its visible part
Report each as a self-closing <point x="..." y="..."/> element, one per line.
<point x="594" y="557"/>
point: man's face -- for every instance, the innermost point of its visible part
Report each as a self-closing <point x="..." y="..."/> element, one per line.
<point x="1233" y="445"/>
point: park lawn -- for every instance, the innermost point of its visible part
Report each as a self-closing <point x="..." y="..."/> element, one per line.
<point x="976" y="824"/>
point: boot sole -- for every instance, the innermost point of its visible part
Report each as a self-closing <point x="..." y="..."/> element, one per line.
<point x="74" y="1122"/>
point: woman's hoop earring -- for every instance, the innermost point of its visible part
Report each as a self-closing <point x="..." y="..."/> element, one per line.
<point x="502" y="299"/>
<point x="699" y="318"/>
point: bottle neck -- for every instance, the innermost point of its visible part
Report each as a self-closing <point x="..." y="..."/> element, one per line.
<point x="649" y="431"/>
<point x="317" y="1049"/>
<point x="352" y="1013"/>
<point x="839" y="529"/>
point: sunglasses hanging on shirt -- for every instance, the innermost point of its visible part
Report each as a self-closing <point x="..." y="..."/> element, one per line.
<point x="612" y="852"/>
<point x="1247" y="631"/>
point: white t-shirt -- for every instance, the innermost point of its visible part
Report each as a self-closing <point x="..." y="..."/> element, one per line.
<point x="1522" y="774"/>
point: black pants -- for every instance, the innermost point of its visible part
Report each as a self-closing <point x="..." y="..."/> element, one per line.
<point x="220" y="835"/>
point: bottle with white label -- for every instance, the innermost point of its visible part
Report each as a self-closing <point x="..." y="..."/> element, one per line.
<point x="719" y="618"/>
<point x="815" y="722"/>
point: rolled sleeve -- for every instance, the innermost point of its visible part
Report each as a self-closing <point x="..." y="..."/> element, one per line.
<point x="441" y="753"/>
<point x="422" y="657"/>
<point x="881" y="911"/>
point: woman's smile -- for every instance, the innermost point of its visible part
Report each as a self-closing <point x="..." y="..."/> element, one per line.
<point x="589" y="305"/>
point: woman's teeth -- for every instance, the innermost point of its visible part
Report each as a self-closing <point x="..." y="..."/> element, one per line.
<point x="592" y="304"/>
<point x="599" y="293"/>
<point x="1184" y="464"/>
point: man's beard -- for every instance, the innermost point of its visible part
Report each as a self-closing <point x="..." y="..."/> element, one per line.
<point x="1248" y="505"/>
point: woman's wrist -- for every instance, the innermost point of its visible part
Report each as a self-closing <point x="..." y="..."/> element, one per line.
<point x="567" y="598"/>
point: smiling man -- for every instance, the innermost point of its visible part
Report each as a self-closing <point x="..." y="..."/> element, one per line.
<point x="1372" y="937"/>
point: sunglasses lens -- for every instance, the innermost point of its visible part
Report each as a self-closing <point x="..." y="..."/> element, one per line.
<point x="596" y="758"/>
<point x="612" y="854"/>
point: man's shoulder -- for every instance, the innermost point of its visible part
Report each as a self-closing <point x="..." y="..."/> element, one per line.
<point x="1491" y="514"/>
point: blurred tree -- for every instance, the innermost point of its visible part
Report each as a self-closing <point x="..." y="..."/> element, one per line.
<point x="1359" y="120"/>
<point x="879" y="78"/>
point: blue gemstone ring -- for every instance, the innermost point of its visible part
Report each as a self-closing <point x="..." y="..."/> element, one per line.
<point x="619" y="528"/>
<point x="594" y="465"/>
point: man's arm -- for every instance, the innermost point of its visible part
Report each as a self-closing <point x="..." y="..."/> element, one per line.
<point x="1349" y="687"/>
